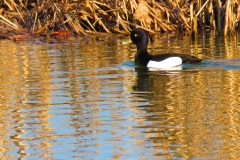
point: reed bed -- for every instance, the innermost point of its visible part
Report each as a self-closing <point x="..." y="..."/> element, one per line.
<point x="64" y="17"/>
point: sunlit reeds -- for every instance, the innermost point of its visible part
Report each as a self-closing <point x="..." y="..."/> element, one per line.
<point x="41" y="17"/>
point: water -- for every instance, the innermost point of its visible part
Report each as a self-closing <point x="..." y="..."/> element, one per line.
<point x="86" y="99"/>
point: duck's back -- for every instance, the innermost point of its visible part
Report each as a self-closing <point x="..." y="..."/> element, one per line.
<point x="185" y="58"/>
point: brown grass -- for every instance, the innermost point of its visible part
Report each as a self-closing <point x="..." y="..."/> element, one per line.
<point x="39" y="17"/>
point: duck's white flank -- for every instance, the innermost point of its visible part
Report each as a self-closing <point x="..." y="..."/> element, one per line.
<point x="165" y="64"/>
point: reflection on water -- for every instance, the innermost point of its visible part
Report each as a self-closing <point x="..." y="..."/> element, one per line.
<point x="87" y="100"/>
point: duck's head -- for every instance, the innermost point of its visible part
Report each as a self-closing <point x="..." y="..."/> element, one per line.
<point x="139" y="37"/>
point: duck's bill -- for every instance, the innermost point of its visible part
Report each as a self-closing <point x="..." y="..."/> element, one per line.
<point x="126" y="41"/>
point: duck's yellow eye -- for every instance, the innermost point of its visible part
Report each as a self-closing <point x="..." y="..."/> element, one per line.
<point x="135" y="35"/>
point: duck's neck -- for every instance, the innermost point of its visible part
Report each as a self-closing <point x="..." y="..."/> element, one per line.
<point x="142" y="48"/>
<point x="142" y="45"/>
<point x="142" y="56"/>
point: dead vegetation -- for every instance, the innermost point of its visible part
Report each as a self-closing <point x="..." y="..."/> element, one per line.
<point x="63" y="17"/>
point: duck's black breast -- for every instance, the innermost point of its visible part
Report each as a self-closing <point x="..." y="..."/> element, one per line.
<point x="142" y="58"/>
<point x="185" y="58"/>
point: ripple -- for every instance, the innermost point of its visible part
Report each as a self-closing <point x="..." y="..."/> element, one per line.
<point x="78" y="101"/>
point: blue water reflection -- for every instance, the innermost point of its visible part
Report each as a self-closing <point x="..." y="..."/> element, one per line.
<point x="78" y="101"/>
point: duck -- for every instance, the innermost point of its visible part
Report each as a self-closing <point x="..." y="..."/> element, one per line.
<point x="140" y="37"/>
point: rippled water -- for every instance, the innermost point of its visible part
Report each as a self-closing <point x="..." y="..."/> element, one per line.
<point x="86" y="99"/>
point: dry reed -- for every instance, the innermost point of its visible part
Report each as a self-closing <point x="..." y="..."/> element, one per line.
<point x="40" y="17"/>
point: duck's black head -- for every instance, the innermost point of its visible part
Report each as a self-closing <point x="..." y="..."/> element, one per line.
<point x="139" y="37"/>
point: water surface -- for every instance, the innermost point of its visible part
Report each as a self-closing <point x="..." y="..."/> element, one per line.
<point x="86" y="99"/>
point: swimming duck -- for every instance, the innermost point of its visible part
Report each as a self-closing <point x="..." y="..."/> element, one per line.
<point x="140" y="37"/>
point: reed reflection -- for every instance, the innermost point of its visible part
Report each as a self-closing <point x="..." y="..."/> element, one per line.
<point x="25" y="88"/>
<point x="76" y="100"/>
<point x="190" y="112"/>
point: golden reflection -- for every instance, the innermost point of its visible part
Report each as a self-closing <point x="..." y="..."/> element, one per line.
<point x="190" y="110"/>
<point x="188" y="114"/>
<point x="192" y="107"/>
<point x="22" y="70"/>
<point x="8" y="71"/>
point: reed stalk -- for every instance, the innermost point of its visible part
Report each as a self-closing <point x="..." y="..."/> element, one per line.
<point x="118" y="16"/>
